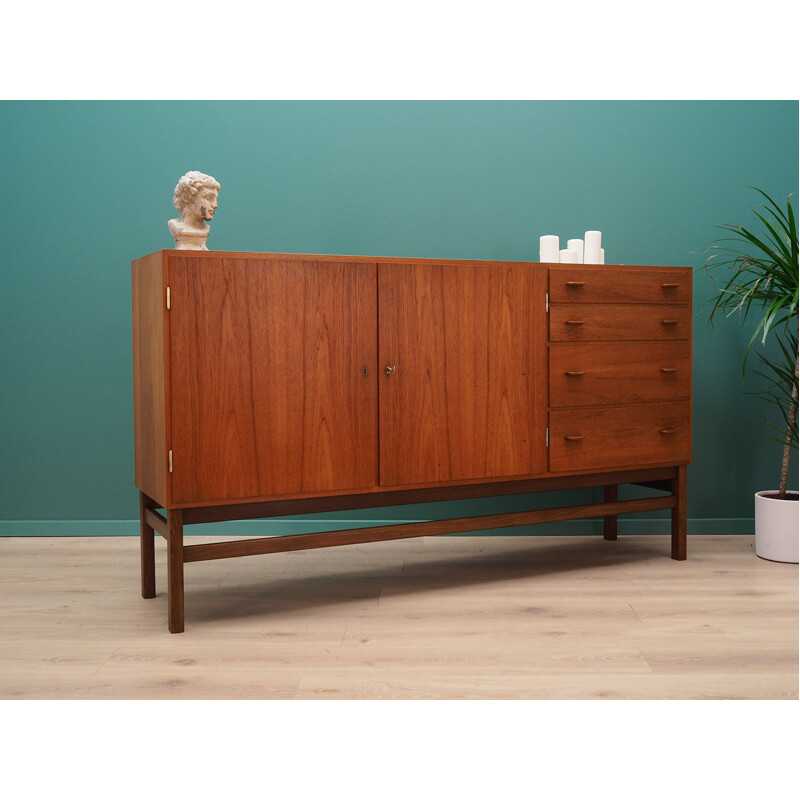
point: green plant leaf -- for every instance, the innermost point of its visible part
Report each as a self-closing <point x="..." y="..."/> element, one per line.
<point x="763" y="278"/>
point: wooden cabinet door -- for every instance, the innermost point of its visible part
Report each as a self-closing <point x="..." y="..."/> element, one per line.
<point x="465" y="348"/>
<point x="273" y="380"/>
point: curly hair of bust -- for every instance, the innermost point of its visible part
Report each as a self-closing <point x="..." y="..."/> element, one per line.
<point x="189" y="185"/>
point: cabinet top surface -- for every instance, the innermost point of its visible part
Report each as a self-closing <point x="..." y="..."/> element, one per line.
<point x="211" y="254"/>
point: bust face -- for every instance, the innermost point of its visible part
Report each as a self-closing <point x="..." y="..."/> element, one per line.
<point x="204" y="203"/>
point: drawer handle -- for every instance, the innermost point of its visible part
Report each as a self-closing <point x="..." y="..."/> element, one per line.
<point x="574" y="322"/>
<point x="390" y="370"/>
<point x="668" y="431"/>
<point x="574" y="373"/>
<point x="573" y="438"/>
<point x="669" y="285"/>
<point x="669" y="321"/>
<point x="669" y="369"/>
<point x="576" y="284"/>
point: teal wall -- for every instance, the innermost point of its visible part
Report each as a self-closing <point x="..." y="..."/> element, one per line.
<point x="88" y="187"/>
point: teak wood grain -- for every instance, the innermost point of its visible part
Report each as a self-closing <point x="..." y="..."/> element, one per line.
<point x="284" y="384"/>
<point x="383" y="533"/>
<point x="679" y="491"/>
<point x="592" y="322"/>
<point x="465" y="397"/>
<point x="605" y="437"/>
<point x="147" y="547"/>
<point x="582" y="284"/>
<point x="606" y="373"/>
<point x="274" y="377"/>
<point x="149" y="375"/>
<point x="659" y="478"/>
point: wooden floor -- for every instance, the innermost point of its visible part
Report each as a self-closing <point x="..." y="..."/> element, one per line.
<point x="448" y="617"/>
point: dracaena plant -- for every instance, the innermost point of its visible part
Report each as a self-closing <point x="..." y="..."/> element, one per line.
<point x="762" y="285"/>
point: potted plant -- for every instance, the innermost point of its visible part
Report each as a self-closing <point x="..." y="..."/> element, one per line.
<point x="764" y="280"/>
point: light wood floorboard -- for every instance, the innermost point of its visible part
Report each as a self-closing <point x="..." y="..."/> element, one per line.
<point x="572" y="617"/>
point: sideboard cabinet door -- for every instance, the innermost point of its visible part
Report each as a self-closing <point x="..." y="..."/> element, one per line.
<point x="459" y="348"/>
<point x="273" y="377"/>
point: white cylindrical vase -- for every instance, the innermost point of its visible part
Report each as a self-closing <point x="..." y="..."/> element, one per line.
<point x="591" y="247"/>
<point x="577" y="246"/>
<point x="569" y="257"/>
<point x="548" y="249"/>
<point x="777" y="530"/>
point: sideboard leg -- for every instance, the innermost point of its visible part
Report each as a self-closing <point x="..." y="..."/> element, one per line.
<point x="679" y="515"/>
<point x="147" y="547"/>
<point x="610" y="522"/>
<point x="175" y="570"/>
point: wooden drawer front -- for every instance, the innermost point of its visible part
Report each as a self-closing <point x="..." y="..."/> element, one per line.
<point x="620" y="436"/>
<point x="609" y="285"/>
<point x="609" y="323"/>
<point x="600" y="373"/>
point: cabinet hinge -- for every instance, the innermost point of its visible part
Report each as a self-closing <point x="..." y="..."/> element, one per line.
<point x="170" y="462"/>
<point x="546" y="438"/>
<point x="547" y="302"/>
<point x="169" y="298"/>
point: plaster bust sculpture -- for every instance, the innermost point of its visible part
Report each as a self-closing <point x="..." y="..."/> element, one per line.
<point x="196" y="199"/>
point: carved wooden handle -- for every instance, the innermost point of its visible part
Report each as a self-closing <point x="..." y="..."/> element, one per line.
<point x="667" y="431"/>
<point x="574" y="438"/>
<point x="574" y="373"/>
<point x="669" y="285"/>
<point x="668" y="369"/>
<point x="576" y="284"/>
<point x="574" y="322"/>
<point x="669" y="321"/>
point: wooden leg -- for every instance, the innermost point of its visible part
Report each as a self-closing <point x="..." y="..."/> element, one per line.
<point x="175" y="570"/>
<point x="610" y="522"/>
<point x="679" y="515"/>
<point x="147" y="545"/>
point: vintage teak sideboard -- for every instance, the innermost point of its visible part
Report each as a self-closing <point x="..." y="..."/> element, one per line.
<point x="272" y="384"/>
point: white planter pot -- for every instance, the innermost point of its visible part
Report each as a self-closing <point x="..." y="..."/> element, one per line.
<point x="777" y="527"/>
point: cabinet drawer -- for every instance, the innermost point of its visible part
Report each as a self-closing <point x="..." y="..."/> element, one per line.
<point x="576" y="323"/>
<point x="620" y="436"/>
<point x="608" y="373"/>
<point x="620" y="285"/>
